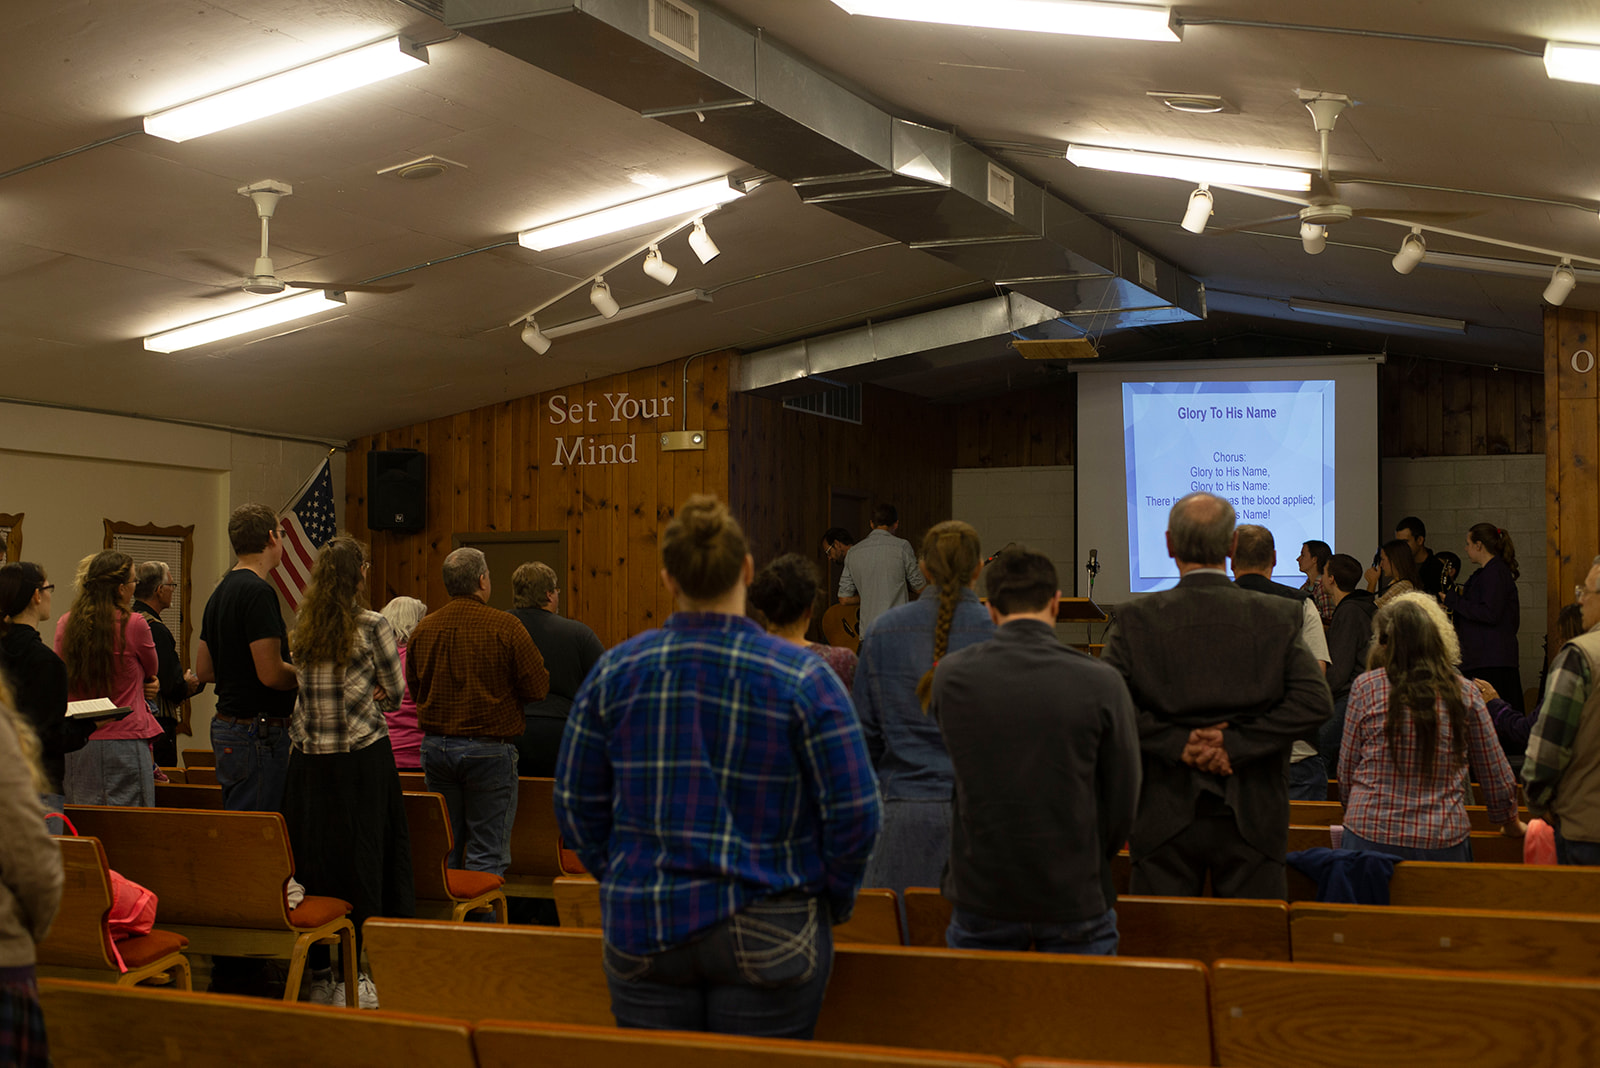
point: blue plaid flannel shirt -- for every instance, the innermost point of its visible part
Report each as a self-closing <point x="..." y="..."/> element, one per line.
<point x="706" y="765"/>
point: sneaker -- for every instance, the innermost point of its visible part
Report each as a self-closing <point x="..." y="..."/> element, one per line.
<point x="366" y="993"/>
<point x="322" y="990"/>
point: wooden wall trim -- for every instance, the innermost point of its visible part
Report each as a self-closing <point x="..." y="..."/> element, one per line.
<point x="1572" y="450"/>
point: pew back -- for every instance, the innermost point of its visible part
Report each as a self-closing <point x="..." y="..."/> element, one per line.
<point x="185" y="795"/>
<point x="198" y="758"/>
<point x="1326" y="813"/>
<point x="1504" y="887"/>
<point x="1458" y="939"/>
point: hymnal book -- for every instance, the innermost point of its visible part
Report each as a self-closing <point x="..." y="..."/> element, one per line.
<point x="95" y="708"/>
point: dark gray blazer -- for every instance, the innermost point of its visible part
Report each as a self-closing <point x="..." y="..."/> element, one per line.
<point x="1208" y="652"/>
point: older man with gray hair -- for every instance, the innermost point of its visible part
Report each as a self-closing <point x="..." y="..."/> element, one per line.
<point x="1223" y="684"/>
<point x="152" y="594"/>
<point x="470" y="668"/>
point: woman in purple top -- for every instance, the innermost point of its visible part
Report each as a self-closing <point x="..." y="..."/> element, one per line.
<point x="403" y="614"/>
<point x="1487" y="612"/>
<point x="785" y="593"/>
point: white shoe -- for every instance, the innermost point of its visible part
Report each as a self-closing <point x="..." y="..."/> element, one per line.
<point x="366" y="993"/>
<point x="322" y="990"/>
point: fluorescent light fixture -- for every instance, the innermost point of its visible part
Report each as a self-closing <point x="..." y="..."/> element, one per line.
<point x="1190" y="168"/>
<point x="317" y="80"/>
<point x="1562" y="283"/>
<point x="1412" y="249"/>
<point x="1199" y="210"/>
<point x="651" y="209"/>
<point x="1378" y="315"/>
<point x="1455" y="261"/>
<point x="1313" y="237"/>
<point x="535" y="338"/>
<point x="705" y="249"/>
<point x="1570" y="62"/>
<point x="1080" y="18"/>
<point x="632" y="311"/>
<point x="658" y="268"/>
<point x="246" y="321"/>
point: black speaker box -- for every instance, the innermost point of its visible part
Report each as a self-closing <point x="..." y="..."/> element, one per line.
<point x="397" y="490"/>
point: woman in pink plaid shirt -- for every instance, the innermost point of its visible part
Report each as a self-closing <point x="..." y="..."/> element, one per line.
<point x="1413" y="731"/>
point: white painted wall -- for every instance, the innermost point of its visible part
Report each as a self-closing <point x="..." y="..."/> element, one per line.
<point x="1450" y="494"/>
<point x="69" y="471"/>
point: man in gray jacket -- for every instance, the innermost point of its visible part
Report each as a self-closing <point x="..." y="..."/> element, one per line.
<point x="1224" y="685"/>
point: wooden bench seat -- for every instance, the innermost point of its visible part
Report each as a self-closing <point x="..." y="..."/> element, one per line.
<point x="1189" y="928"/>
<point x="875" y="921"/>
<point x="220" y="878"/>
<point x="185" y="795"/>
<point x="1327" y="813"/>
<point x="508" y="1044"/>
<point x="1266" y="1015"/>
<point x="197" y="758"/>
<point x="451" y="892"/>
<point x="79" y="944"/>
<point x="90" y="1024"/>
<point x="200" y="776"/>
<point x="1503" y="887"/>
<point x="1487" y="847"/>
<point x="1476" y="940"/>
<point x="1002" y="1004"/>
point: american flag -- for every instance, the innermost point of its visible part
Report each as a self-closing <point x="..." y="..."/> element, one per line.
<point x="308" y="524"/>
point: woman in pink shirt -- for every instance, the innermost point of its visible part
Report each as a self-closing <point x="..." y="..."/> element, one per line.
<point x="403" y="614"/>
<point x="109" y="653"/>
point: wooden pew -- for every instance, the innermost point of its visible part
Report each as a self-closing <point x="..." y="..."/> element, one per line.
<point x="90" y="1024"/>
<point x="220" y="877"/>
<point x="1477" y="940"/>
<point x="1266" y="1014"/>
<point x="1502" y="887"/>
<point x="876" y="920"/>
<point x="1326" y="813"/>
<point x="185" y="795"/>
<point x="1189" y="928"/>
<point x="174" y="775"/>
<point x="79" y="943"/>
<point x="506" y="1044"/>
<point x="1005" y="1004"/>
<point x="1487" y="848"/>
<point x="450" y="892"/>
<point x="200" y="776"/>
<point x="197" y="758"/>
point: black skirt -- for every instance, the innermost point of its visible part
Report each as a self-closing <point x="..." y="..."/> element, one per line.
<point x="347" y="826"/>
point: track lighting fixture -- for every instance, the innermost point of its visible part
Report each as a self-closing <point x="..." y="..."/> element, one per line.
<point x="534" y="338"/>
<point x="600" y="296"/>
<point x="1562" y="283"/>
<point x="658" y="268"/>
<point x="1313" y="237"/>
<point x="1199" y="210"/>
<point x="1411" y="251"/>
<point x="701" y="242"/>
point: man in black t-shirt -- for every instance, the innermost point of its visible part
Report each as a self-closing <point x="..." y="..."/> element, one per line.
<point x="244" y="649"/>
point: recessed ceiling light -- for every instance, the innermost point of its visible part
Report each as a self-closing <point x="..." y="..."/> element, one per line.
<point x="1194" y="103"/>
<point x="416" y="170"/>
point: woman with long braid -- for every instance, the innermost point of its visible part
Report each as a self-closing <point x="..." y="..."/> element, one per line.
<point x="894" y="677"/>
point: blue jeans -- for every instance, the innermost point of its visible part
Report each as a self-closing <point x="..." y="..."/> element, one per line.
<point x="761" y="971"/>
<point x="478" y="779"/>
<point x="1460" y="853"/>
<point x="252" y="763"/>
<point x="1095" y="937"/>
<point x="1572" y="851"/>
<point x="1308" y="780"/>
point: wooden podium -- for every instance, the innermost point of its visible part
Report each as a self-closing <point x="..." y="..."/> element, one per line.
<point x="1081" y="610"/>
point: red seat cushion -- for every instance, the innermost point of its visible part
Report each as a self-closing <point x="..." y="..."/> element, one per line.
<point x="316" y="911"/>
<point x="465" y="885"/>
<point x="144" y="949"/>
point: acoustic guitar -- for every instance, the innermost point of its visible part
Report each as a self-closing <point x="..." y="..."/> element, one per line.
<point x="841" y="625"/>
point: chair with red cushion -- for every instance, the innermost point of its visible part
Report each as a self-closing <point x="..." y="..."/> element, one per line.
<point x="441" y="888"/>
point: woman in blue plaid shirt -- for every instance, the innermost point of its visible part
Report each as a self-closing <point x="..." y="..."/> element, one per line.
<point x="714" y="779"/>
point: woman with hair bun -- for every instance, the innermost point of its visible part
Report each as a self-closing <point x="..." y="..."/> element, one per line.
<point x="1487" y="613"/>
<point x="785" y="592"/>
<point x="894" y="678"/>
<point x="109" y="653"/>
<point x="714" y="779"/>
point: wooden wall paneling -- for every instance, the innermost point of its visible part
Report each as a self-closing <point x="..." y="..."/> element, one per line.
<point x="417" y="543"/>
<point x="1499" y="405"/>
<point x="570" y="485"/>
<point x="1390" y="418"/>
<point x="1478" y="409"/>
<point x="355" y="485"/>
<point x="1551" y="432"/>
<point x="1435" y="378"/>
<point x="714" y="389"/>
<point x="461" y="476"/>
<point x="524" y="514"/>
<point x="441" y="505"/>
<point x="666" y="508"/>
<point x="1456" y="437"/>
<point x="1533" y="416"/>
<point x="505" y="466"/>
<point x="642" y="542"/>
<point x="480" y="504"/>
<point x="1416" y="390"/>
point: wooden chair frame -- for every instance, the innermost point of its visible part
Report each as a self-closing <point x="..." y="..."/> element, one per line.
<point x="429" y="821"/>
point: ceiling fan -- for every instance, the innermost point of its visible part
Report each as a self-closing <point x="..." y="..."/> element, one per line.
<point x="265" y="280"/>
<point x="1323" y="206"/>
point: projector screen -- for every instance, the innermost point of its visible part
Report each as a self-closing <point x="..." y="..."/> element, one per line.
<point x="1292" y="443"/>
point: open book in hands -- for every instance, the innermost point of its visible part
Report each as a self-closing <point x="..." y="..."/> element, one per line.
<point x="96" y="708"/>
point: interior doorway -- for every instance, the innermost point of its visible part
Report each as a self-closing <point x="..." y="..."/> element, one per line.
<point x="507" y="550"/>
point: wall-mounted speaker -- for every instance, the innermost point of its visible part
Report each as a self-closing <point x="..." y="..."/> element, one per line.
<point x="397" y="490"/>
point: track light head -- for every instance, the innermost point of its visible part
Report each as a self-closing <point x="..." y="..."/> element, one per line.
<point x="1313" y="237"/>
<point x="1199" y="210"/>
<point x="1562" y="283"/>
<point x="534" y="338"/>
<point x="600" y="296"/>
<point x="1411" y="252"/>
<point x="705" y="248"/>
<point x="658" y="268"/>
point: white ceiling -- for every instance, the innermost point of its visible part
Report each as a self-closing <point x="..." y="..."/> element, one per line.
<point x="106" y="246"/>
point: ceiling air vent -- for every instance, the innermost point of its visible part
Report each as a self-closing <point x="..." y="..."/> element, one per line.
<point x="841" y="402"/>
<point x="1002" y="190"/>
<point x="676" y="25"/>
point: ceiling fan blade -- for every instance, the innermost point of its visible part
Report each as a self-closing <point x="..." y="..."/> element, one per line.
<point x="231" y="291"/>
<point x="1252" y="224"/>
<point x="1416" y="216"/>
<point x="341" y="287"/>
